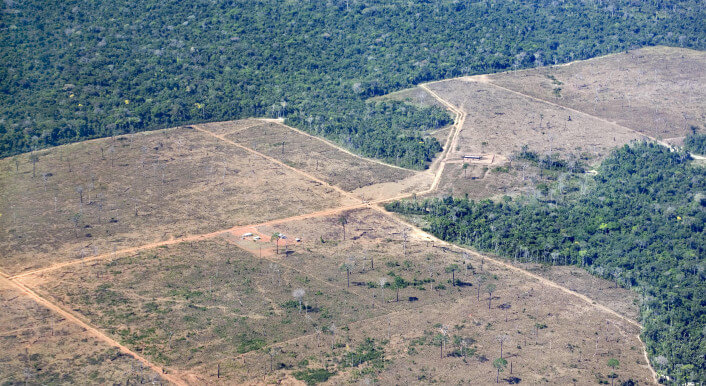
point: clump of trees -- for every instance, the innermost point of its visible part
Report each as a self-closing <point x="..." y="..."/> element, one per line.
<point x="695" y="143"/>
<point x="642" y="224"/>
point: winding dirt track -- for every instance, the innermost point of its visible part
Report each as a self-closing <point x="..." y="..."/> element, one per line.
<point x="435" y="173"/>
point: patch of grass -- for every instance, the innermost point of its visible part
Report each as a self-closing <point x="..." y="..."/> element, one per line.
<point x="313" y="376"/>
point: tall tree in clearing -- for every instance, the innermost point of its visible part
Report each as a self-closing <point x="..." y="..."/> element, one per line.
<point x="343" y="220"/>
<point x="275" y="237"/>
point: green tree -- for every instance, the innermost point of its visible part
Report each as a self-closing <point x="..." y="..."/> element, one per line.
<point x="613" y="364"/>
<point x="499" y="365"/>
<point x="275" y="237"/>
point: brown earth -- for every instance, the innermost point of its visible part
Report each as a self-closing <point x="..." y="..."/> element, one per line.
<point x="658" y="91"/>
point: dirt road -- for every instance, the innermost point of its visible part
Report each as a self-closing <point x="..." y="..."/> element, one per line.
<point x="92" y="330"/>
<point x="434" y="173"/>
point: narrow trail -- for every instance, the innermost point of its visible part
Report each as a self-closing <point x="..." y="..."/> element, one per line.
<point x="92" y="330"/>
<point x="451" y="141"/>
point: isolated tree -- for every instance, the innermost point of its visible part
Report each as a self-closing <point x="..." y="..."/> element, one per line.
<point x="34" y="158"/>
<point x="382" y="281"/>
<point x="333" y="330"/>
<point x="404" y="243"/>
<point x="275" y="237"/>
<point x="505" y="307"/>
<point x="501" y="338"/>
<point x="298" y="294"/>
<point x="613" y="363"/>
<point x="75" y="219"/>
<point x="79" y="190"/>
<point x="480" y="279"/>
<point x="348" y="267"/>
<point x="465" y="167"/>
<point x="343" y="221"/>
<point x="490" y="288"/>
<point x="452" y="270"/>
<point x="399" y="283"/>
<point x="272" y="352"/>
<point x="442" y="337"/>
<point x="500" y="365"/>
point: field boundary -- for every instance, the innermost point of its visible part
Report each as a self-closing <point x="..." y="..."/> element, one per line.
<point x="435" y="172"/>
<point x="69" y="316"/>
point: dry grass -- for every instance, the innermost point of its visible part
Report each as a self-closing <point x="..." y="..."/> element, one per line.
<point x="137" y="190"/>
<point x="415" y="95"/>
<point x="660" y="91"/>
<point x="565" y="350"/>
<point x="501" y="122"/>
<point x="484" y="181"/>
<point x="317" y="157"/>
<point x="193" y="306"/>
<point x="39" y="347"/>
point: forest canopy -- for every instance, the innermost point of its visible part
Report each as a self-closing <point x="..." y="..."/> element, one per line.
<point x="78" y="69"/>
<point x="642" y="224"/>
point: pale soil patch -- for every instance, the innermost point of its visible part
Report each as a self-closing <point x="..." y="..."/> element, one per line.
<point x="501" y="122"/>
<point x="659" y="91"/>
<point x="317" y="157"/>
<point x="484" y="181"/>
<point x="144" y="188"/>
<point x="231" y="127"/>
<point x="621" y="300"/>
<point x="40" y="347"/>
<point x="565" y="350"/>
<point x="415" y="95"/>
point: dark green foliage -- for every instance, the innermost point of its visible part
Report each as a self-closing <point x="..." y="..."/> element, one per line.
<point x="313" y="376"/>
<point x="81" y="69"/>
<point x="695" y="143"/>
<point x="367" y="353"/>
<point x="642" y="225"/>
<point x="246" y="344"/>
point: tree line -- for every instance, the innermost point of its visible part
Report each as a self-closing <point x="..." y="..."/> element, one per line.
<point x="642" y="223"/>
<point x="83" y="69"/>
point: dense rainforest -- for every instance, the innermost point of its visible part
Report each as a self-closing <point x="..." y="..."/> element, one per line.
<point x="80" y="69"/>
<point x="640" y="222"/>
<point x="695" y="143"/>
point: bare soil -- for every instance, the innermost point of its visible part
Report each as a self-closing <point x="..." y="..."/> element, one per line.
<point x="501" y="122"/>
<point x="659" y="91"/>
<point x="98" y="196"/>
<point x="317" y="157"/>
<point x="40" y="347"/>
<point x="196" y="305"/>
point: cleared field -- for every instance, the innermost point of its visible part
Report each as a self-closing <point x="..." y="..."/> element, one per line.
<point x="502" y="122"/>
<point x="415" y="95"/>
<point x="232" y="127"/>
<point x="99" y="196"/>
<point x="39" y="347"/>
<point x="621" y="300"/>
<point x="484" y="181"/>
<point x="316" y="157"/>
<point x="659" y="91"/>
<point x="550" y="336"/>
<point x="200" y="307"/>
